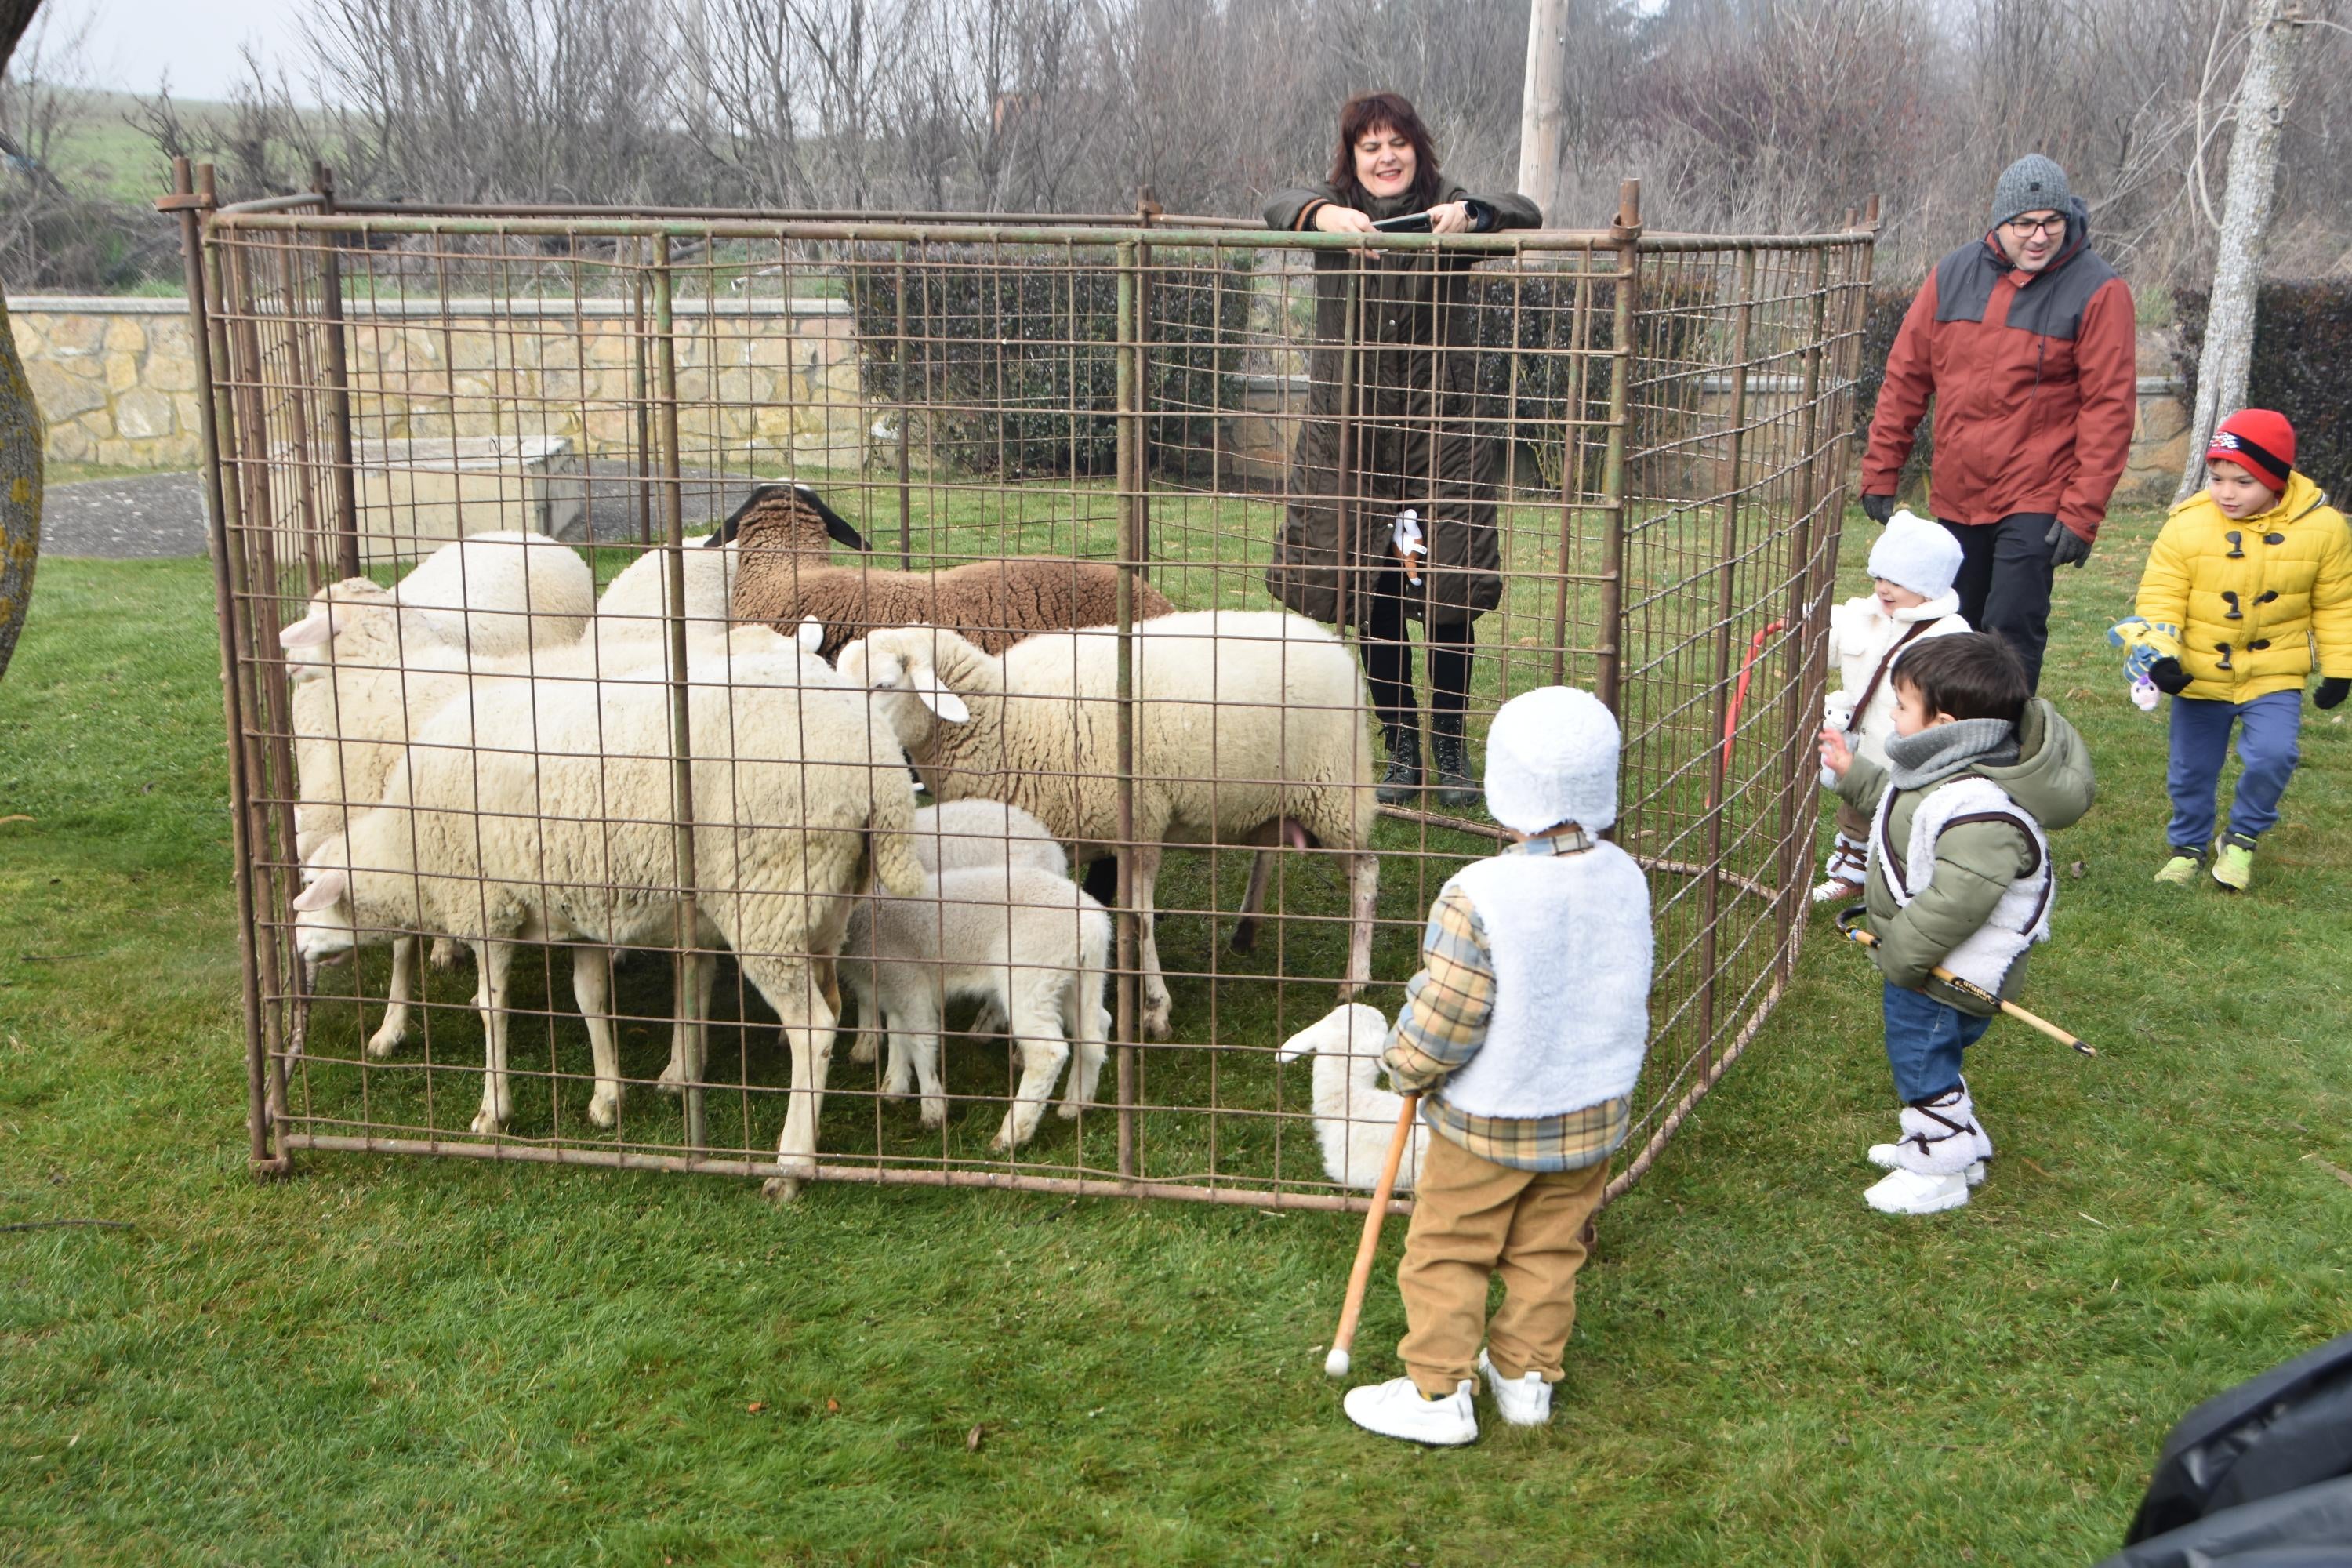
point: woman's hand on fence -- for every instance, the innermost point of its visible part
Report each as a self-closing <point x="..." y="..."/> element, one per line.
<point x="1450" y="218"/>
<point x="1836" y="755"/>
<point x="1333" y="219"/>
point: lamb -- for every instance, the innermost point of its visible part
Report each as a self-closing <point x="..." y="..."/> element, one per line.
<point x="634" y="603"/>
<point x="1026" y="941"/>
<point x="1355" y="1118"/>
<point x="959" y="836"/>
<point x="1248" y="721"/>
<point x="995" y="603"/>
<point x="558" y="828"/>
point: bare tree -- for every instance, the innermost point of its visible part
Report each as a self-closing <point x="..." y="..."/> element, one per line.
<point x="2261" y="109"/>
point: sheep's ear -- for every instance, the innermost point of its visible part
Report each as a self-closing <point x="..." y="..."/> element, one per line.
<point x="811" y="634"/>
<point x="325" y="892"/>
<point x="944" y="704"/>
<point x="311" y="630"/>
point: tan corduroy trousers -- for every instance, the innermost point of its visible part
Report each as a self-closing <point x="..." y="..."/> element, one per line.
<point x="1473" y="1219"/>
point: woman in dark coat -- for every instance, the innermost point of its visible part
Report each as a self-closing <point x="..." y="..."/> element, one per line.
<point x="1392" y="428"/>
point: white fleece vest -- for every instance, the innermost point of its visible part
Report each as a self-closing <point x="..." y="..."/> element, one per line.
<point x="1569" y="937"/>
<point x="2019" y="920"/>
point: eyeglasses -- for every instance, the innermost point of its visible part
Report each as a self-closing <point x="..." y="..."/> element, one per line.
<point x="2026" y="227"/>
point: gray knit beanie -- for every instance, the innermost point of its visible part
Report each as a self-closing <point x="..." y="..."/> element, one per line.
<point x="2031" y="185"/>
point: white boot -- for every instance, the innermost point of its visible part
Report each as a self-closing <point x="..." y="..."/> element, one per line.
<point x="1928" y="1167"/>
<point x="1886" y="1156"/>
<point x="1396" y="1409"/>
<point x="1523" y="1402"/>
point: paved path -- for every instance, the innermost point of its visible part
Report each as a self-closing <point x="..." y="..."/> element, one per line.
<point x="148" y="517"/>
<point x="159" y="516"/>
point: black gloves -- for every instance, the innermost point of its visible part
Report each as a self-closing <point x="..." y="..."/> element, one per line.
<point x="2331" y="691"/>
<point x="2170" y="678"/>
<point x="2068" y="548"/>
<point x="1878" y="509"/>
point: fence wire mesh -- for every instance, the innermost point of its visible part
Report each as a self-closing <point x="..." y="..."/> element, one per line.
<point x="1626" y="452"/>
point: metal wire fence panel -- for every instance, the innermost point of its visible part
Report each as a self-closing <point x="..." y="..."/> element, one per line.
<point x="546" y="832"/>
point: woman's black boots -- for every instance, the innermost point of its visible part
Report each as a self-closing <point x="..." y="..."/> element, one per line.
<point x="1401" y="785"/>
<point x="1456" y="786"/>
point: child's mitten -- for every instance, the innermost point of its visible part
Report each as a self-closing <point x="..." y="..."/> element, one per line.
<point x="2332" y="690"/>
<point x="2167" y="676"/>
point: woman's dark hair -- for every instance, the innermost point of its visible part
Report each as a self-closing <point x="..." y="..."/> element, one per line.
<point x="1370" y="112"/>
<point x="1973" y="676"/>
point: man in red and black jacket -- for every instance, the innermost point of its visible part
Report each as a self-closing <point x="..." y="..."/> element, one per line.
<point x="2024" y="340"/>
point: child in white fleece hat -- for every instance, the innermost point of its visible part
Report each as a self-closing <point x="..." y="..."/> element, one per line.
<point x="1523" y="1034"/>
<point x="1912" y="567"/>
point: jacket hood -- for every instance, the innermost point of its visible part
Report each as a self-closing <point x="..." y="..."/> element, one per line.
<point x="2301" y="498"/>
<point x="2078" y="240"/>
<point x="2052" y="777"/>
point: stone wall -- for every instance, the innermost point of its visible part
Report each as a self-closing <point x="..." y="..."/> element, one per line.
<point x="115" y="378"/>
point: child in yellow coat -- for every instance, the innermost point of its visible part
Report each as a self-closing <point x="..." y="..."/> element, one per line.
<point x="2252" y="579"/>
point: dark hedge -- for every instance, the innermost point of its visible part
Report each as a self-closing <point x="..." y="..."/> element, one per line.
<point x="1015" y="367"/>
<point x="2302" y="367"/>
<point x="1879" y="325"/>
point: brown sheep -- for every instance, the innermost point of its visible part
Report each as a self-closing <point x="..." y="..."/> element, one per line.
<point x="994" y="604"/>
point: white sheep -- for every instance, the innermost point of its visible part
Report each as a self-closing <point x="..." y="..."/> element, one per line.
<point x="380" y="681"/>
<point x="1355" y="1118"/>
<point x="1029" y="942"/>
<point x="542" y="810"/>
<point x="490" y="594"/>
<point x="1247" y="722"/>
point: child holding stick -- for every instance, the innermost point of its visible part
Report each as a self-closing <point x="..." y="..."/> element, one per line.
<point x="1960" y="875"/>
<point x="1523" y="1034"/>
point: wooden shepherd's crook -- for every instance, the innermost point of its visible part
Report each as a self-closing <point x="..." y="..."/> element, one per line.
<point x="1853" y="933"/>
<point x="1342" y="1338"/>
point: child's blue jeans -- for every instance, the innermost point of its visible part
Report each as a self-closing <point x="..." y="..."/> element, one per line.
<point x="1925" y="1039"/>
<point x="2268" y="729"/>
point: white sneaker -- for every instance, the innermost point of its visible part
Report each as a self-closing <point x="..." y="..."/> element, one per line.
<point x="1525" y="1402"/>
<point x="1396" y="1409"/>
<point x="1908" y="1191"/>
<point x="1886" y="1157"/>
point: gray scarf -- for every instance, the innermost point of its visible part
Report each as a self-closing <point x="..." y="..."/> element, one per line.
<point x="1940" y="751"/>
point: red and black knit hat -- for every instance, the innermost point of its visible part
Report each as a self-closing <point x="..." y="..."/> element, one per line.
<point x="2258" y="440"/>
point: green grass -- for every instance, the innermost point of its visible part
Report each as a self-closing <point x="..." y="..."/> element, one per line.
<point x="384" y="1360"/>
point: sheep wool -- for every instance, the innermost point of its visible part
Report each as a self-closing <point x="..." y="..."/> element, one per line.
<point x="995" y="603"/>
<point x="1246" y="719"/>
<point x="1570" y="939"/>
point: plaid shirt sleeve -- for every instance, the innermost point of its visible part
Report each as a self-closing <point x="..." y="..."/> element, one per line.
<point x="1447" y="1006"/>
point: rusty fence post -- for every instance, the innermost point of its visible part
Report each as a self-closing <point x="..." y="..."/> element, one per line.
<point x="1626" y="237"/>
<point x="337" y="357"/>
<point x="1128" y="1014"/>
<point x="905" y="418"/>
<point x="262" y="1153"/>
<point x="673" y="508"/>
<point x="1726" y="605"/>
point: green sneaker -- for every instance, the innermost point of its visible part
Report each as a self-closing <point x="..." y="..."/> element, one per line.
<point x="2180" y="871"/>
<point x="2233" y="863"/>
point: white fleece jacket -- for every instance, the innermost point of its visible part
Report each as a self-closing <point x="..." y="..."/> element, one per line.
<point x="1861" y="634"/>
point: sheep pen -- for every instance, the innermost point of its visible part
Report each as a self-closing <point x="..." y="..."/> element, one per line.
<point x="1068" y="436"/>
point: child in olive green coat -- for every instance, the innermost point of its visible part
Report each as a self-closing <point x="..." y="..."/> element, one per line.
<point x="1959" y="877"/>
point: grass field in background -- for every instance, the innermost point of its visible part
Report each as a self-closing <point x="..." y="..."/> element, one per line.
<point x="380" y="1359"/>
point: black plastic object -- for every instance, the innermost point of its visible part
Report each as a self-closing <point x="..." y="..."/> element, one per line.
<point x="2310" y="1527"/>
<point x="1411" y="223"/>
<point x="2289" y="1428"/>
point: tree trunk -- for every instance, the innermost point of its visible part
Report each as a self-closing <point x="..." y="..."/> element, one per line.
<point x="20" y="490"/>
<point x="2229" y="347"/>
<point x="1540" y="109"/>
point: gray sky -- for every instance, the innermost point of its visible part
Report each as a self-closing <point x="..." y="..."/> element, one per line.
<point x="133" y="42"/>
